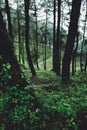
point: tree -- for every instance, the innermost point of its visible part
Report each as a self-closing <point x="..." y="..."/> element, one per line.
<point x="8" y="56"/>
<point x="46" y="6"/>
<point x="45" y="38"/>
<point x="70" y="39"/>
<point x="36" y="34"/>
<point x="9" y="18"/>
<point x="19" y="34"/>
<point x="56" y="39"/>
<point x="17" y="83"/>
<point x="82" y="46"/>
<point x="27" y="3"/>
<point x="54" y="34"/>
<point x="74" y="54"/>
<point x="19" y="29"/>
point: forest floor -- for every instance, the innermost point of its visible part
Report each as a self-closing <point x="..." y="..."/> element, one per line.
<point x="64" y="105"/>
<point x="56" y="105"/>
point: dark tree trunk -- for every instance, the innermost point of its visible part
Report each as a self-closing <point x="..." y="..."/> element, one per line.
<point x="45" y="57"/>
<point x="43" y="53"/>
<point x="74" y="57"/>
<point x="81" y="55"/>
<point x="23" y="48"/>
<point x="36" y="36"/>
<point x="71" y="37"/>
<point x="7" y="52"/>
<point x="9" y="18"/>
<point x="19" y="35"/>
<point x="54" y="34"/>
<point x="27" y="2"/>
<point x="56" y="53"/>
<point x="85" y="63"/>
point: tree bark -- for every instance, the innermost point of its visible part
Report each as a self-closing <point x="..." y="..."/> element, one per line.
<point x="56" y="54"/>
<point x="27" y="3"/>
<point x="36" y="36"/>
<point x="57" y="60"/>
<point x="70" y="40"/>
<point x="54" y="34"/>
<point x="9" y="18"/>
<point x="23" y="48"/>
<point x="74" y="56"/>
<point x="45" y="46"/>
<point x="81" y="54"/>
<point x="19" y="34"/>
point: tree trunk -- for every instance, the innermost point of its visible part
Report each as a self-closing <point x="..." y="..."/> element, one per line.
<point x="19" y="35"/>
<point x="23" y="48"/>
<point x="7" y="52"/>
<point x="81" y="54"/>
<point x="56" y="53"/>
<point x="57" y="60"/>
<point x="85" y="63"/>
<point x="27" y="2"/>
<point x="70" y="40"/>
<point x="54" y="34"/>
<point x="9" y="18"/>
<point x="36" y="36"/>
<point x="45" y="57"/>
<point x="74" y="56"/>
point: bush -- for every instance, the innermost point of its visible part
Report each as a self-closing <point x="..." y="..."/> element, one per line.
<point x="16" y="106"/>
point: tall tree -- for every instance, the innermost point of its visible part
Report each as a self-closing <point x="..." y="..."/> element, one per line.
<point x="8" y="56"/>
<point x="46" y="5"/>
<point x="70" y="39"/>
<point x="27" y="3"/>
<point x="45" y="37"/>
<point x="19" y="35"/>
<point x="74" y="55"/>
<point x="36" y="34"/>
<point x="86" y="52"/>
<point x="54" y="33"/>
<point x="56" y="40"/>
<point x="9" y="18"/>
<point x="82" y="46"/>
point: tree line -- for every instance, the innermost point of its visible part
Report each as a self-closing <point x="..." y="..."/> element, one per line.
<point x="40" y="34"/>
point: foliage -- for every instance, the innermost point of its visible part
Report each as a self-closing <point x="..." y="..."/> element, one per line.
<point x="16" y="106"/>
<point x="5" y="75"/>
<point x="61" y="104"/>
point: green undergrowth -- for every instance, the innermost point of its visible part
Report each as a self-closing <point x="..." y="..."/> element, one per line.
<point x="45" y="103"/>
<point x="17" y="106"/>
<point x="64" y="106"/>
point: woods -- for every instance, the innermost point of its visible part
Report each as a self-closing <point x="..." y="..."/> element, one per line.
<point x="43" y="60"/>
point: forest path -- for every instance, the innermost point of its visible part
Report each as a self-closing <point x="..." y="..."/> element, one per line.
<point x="45" y="77"/>
<point x="48" y="64"/>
